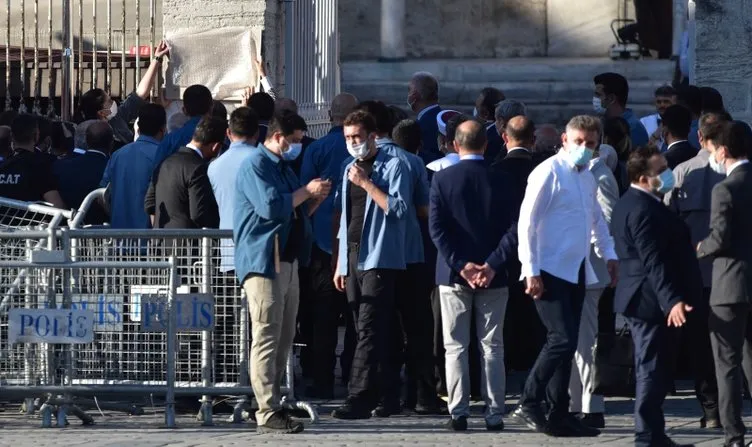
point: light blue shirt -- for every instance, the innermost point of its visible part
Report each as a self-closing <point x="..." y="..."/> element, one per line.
<point x="128" y="172"/>
<point x="637" y="130"/>
<point x="382" y="244"/>
<point x="417" y="197"/>
<point x="223" y="174"/>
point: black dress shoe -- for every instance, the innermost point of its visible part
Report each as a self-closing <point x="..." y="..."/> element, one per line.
<point x="387" y="409"/>
<point x="531" y="418"/>
<point x="668" y="442"/>
<point x="710" y="422"/>
<point x="436" y="407"/>
<point x="593" y="420"/>
<point x="569" y="426"/>
<point x="352" y="409"/>
<point x="459" y="424"/>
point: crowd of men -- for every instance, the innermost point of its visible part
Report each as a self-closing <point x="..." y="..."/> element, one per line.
<point x="454" y="246"/>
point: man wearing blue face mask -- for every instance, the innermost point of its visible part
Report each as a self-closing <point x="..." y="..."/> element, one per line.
<point x="272" y="234"/>
<point x="610" y="100"/>
<point x="560" y="199"/>
<point x="661" y="282"/>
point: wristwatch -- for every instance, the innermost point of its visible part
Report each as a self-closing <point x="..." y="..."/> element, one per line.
<point x="158" y="59"/>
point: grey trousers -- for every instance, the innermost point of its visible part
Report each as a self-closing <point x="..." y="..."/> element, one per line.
<point x="581" y="381"/>
<point x="458" y="305"/>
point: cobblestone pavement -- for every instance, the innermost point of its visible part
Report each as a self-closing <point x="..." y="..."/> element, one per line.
<point x="115" y="430"/>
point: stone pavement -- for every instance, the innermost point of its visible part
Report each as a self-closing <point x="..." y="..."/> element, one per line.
<point x="118" y="430"/>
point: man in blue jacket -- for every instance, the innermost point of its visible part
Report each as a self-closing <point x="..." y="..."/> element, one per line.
<point x="272" y="234"/>
<point x="197" y="102"/>
<point x="423" y="99"/>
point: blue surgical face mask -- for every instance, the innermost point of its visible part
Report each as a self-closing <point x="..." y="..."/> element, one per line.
<point x="292" y="152"/>
<point x="667" y="181"/>
<point x="580" y="155"/>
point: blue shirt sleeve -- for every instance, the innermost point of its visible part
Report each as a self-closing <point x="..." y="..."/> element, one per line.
<point x="399" y="188"/>
<point x="639" y="134"/>
<point x="263" y="192"/>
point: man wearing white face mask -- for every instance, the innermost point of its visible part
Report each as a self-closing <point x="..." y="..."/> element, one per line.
<point x="610" y="100"/>
<point x="272" y="234"/>
<point x="369" y="249"/>
<point x="560" y="199"/>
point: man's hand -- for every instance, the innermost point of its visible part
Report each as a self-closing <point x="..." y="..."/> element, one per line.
<point x="357" y="176"/>
<point x="535" y="287"/>
<point x="339" y="282"/>
<point x="613" y="271"/>
<point x="485" y="276"/>
<point x="318" y="188"/>
<point x="246" y="96"/>
<point x="259" y="64"/>
<point x="470" y="273"/>
<point x="162" y="50"/>
<point x="678" y="315"/>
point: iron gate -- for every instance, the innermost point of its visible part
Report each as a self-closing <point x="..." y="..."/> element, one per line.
<point x="58" y="49"/>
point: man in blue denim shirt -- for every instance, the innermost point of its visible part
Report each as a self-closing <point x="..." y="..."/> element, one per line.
<point x="197" y="102"/>
<point x="610" y="100"/>
<point x="412" y="303"/>
<point x="373" y="201"/>
<point x="323" y="159"/>
<point x="272" y="234"/>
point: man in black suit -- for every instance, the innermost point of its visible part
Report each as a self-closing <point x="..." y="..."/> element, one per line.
<point x="676" y="122"/>
<point x="660" y="280"/>
<point x="730" y="243"/>
<point x="180" y="194"/>
<point x="80" y="175"/>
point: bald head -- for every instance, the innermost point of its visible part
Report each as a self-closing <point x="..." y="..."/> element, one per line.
<point x="342" y="105"/>
<point x="519" y="132"/>
<point x="99" y="136"/>
<point x="470" y="138"/>
<point x="282" y="105"/>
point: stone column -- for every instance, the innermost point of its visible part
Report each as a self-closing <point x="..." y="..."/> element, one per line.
<point x="723" y="52"/>
<point x="392" y="30"/>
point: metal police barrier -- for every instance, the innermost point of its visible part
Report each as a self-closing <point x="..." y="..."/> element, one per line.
<point x="212" y="359"/>
<point x="56" y="338"/>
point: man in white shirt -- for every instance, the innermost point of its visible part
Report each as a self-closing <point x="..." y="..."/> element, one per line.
<point x="447" y="122"/>
<point x="559" y="217"/>
<point x="665" y="96"/>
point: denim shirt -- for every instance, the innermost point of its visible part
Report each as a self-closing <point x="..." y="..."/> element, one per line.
<point x="176" y="139"/>
<point x="128" y="173"/>
<point x="417" y="197"/>
<point x="323" y="159"/>
<point x="382" y="243"/>
<point x="263" y="211"/>
<point x="637" y="130"/>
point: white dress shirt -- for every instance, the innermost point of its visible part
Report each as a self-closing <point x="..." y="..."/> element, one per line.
<point x="559" y="218"/>
<point x="444" y="162"/>
<point x="675" y="143"/>
<point x="735" y="165"/>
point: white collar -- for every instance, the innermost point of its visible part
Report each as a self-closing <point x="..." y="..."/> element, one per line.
<point x="518" y="148"/>
<point x="97" y="152"/>
<point x="490" y="124"/>
<point x="189" y="145"/>
<point x="675" y="142"/>
<point x="645" y="191"/>
<point x="78" y="150"/>
<point x="471" y="157"/>
<point x="735" y="165"/>
<point x="423" y="112"/>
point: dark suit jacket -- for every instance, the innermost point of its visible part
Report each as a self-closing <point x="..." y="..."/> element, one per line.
<point x="495" y="149"/>
<point x="297" y="164"/>
<point x="180" y="194"/>
<point x="730" y="238"/>
<point x="430" y="134"/>
<point x="473" y="218"/>
<point x="657" y="268"/>
<point x="517" y="164"/>
<point x="79" y="175"/>
<point x="679" y="153"/>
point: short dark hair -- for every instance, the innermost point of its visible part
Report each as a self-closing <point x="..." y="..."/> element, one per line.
<point x="244" y="122"/>
<point x="677" y="119"/>
<point x="91" y="103"/>
<point x="614" y="84"/>
<point x="361" y="118"/>
<point x="638" y="163"/>
<point x="263" y="104"/>
<point x="690" y="97"/>
<point x="99" y="135"/>
<point x="286" y="123"/>
<point x="737" y="140"/>
<point x="380" y="113"/>
<point x="197" y="100"/>
<point x="523" y="132"/>
<point x="707" y="123"/>
<point x="490" y="98"/>
<point x="407" y="135"/>
<point x="218" y="109"/>
<point x="152" y="119"/>
<point x="210" y="130"/>
<point x="453" y="123"/>
<point x="712" y="100"/>
<point x="24" y="128"/>
<point x="665" y="90"/>
<point x="714" y="131"/>
<point x="473" y="138"/>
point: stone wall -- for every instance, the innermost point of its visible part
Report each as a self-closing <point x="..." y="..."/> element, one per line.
<point x="723" y="54"/>
<point x="448" y="28"/>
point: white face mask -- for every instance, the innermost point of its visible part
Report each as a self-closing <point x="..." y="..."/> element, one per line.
<point x="715" y="165"/>
<point x="358" y="151"/>
<point x="598" y="106"/>
<point x="475" y="112"/>
<point x="113" y="111"/>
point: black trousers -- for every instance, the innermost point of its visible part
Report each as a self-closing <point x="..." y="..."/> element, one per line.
<point x="559" y="309"/>
<point x="370" y="296"/>
<point x="731" y="337"/>
<point x="697" y="341"/>
<point x="411" y="340"/>
<point x="326" y="309"/>
<point x="524" y="334"/>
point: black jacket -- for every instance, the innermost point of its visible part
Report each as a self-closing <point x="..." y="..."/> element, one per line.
<point x="679" y="153"/>
<point x="79" y="175"/>
<point x="657" y="262"/>
<point x="180" y="194"/>
<point x="730" y="238"/>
